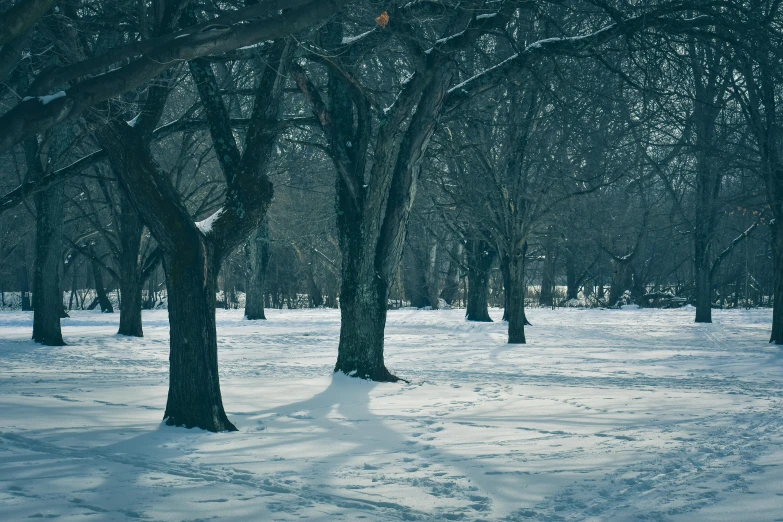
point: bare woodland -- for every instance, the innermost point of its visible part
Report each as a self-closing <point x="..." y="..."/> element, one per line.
<point x="368" y="155"/>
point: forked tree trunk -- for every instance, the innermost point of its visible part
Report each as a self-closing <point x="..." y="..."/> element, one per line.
<point x="47" y="296"/>
<point x="257" y="254"/>
<point x="194" y="398"/>
<point x="130" y="278"/>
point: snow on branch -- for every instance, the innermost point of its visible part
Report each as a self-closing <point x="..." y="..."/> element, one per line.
<point x="206" y="225"/>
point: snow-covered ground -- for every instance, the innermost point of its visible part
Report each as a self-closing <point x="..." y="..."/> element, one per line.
<point x="604" y="415"/>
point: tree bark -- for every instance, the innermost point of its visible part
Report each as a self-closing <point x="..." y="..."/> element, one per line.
<point x="194" y="398"/>
<point x="480" y="258"/>
<point x="47" y="295"/>
<point x="516" y="298"/>
<point x="702" y="281"/>
<point x="257" y="252"/>
<point x="362" y="323"/>
<point x="776" y="335"/>
<point x="572" y="279"/>
<point x="131" y="282"/>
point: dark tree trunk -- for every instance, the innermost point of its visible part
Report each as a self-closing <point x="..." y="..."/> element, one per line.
<point x="516" y="298"/>
<point x="24" y="287"/>
<point x="47" y="295"/>
<point x="479" y="260"/>
<point x="257" y="253"/>
<point x="362" y="321"/>
<point x="100" y="290"/>
<point x="514" y="285"/>
<point x="194" y="389"/>
<point x="131" y="281"/>
<point x="703" y="283"/>
<point x="572" y="279"/>
<point x="776" y="336"/>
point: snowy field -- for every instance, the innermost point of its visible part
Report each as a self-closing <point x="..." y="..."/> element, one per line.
<point x="605" y="415"/>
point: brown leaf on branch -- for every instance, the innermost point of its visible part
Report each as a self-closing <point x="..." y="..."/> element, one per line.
<point x="383" y="19"/>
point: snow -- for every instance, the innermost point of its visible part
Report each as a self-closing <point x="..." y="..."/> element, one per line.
<point x="485" y="71"/>
<point x="133" y="121"/>
<point x="46" y="99"/>
<point x="206" y="225"/>
<point x="351" y="39"/>
<point x="605" y="415"/>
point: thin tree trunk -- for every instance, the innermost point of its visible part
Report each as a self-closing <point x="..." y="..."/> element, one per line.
<point x="257" y="252"/>
<point x="432" y="276"/>
<point x="572" y="282"/>
<point x="546" y="297"/>
<point x="703" y="283"/>
<point x="776" y="335"/>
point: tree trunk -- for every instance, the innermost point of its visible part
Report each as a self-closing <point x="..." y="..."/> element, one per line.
<point x="47" y="296"/>
<point x="480" y="258"/>
<point x="510" y="292"/>
<point x="516" y="299"/>
<point x="362" y="321"/>
<point x="703" y="283"/>
<point x="257" y="252"/>
<point x="776" y="336"/>
<point x="432" y="276"/>
<point x="194" y="398"/>
<point x="100" y="290"/>
<point x="131" y="282"/>
<point x="572" y="280"/>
